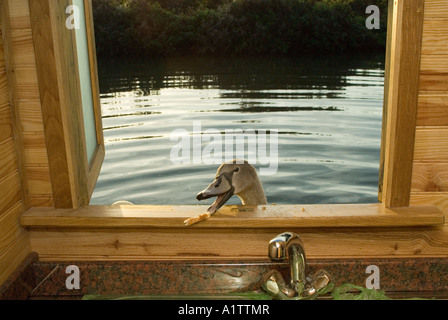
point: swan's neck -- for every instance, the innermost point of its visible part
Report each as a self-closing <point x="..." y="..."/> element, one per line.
<point x="253" y="195"/>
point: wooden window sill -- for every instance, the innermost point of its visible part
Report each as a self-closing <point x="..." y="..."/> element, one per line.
<point x="233" y="216"/>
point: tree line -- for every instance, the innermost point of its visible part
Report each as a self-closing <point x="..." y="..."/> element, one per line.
<point x="236" y="27"/>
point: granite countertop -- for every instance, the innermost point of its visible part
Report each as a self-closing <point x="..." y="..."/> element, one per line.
<point x="36" y="279"/>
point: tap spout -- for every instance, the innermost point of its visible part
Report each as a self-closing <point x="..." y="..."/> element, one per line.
<point x="289" y="246"/>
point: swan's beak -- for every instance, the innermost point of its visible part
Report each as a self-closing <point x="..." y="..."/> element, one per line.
<point x="220" y="188"/>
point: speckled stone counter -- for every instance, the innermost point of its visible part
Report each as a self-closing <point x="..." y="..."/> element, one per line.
<point x="42" y="280"/>
<point x="21" y="283"/>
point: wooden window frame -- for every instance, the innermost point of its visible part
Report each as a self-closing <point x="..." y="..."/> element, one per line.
<point x="404" y="42"/>
<point x="72" y="177"/>
<point x="354" y="222"/>
<point x="98" y="157"/>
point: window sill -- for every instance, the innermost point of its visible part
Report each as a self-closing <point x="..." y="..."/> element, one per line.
<point x="233" y="216"/>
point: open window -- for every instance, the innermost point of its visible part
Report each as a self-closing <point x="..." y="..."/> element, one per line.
<point x="74" y="169"/>
<point x="75" y="141"/>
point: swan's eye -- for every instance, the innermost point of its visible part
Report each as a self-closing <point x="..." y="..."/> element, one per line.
<point x="236" y="169"/>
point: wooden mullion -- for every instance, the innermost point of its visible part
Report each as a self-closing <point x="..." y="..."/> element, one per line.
<point x="44" y="47"/>
<point x="402" y="99"/>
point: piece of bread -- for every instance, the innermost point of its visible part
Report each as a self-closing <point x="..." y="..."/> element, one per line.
<point x="201" y="217"/>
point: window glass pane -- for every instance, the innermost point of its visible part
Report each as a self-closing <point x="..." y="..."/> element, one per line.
<point x="85" y="82"/>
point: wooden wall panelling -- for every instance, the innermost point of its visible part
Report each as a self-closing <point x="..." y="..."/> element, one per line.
<point x="434" y="81"/>
<point x="439" y="199"/>
<point x="432" y="109"/>
<point x="6" y="130"/>
<point x="19" y="14"/>
<point x="10" y="230"/>
<point x="8" y="160"/>
<point x="434" y="63"/>
<point x="11" y="74"/>
<point x="10" y="191"/>
<point x="431" y="144"/>
<point x="13" y="256"/>
<point x="29" y="107"/>
<point x="430" y="169"/>
<point x="30" y="110"/>
<point x="14" y="240"/>
<point x="435" y="37"/>
<point x="430" y="177"/>
<point x="434" y="9"/>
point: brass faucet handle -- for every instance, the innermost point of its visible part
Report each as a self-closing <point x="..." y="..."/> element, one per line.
<point x="275" y="285"/>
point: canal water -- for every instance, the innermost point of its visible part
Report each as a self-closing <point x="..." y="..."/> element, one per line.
<point x="315" y="125"/>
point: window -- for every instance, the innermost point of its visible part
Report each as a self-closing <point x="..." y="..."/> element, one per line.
<point x="396" y="160"/>
<point x="73" y="231"/>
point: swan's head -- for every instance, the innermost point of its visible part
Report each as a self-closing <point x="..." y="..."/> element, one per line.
<point x="232" y="178"/>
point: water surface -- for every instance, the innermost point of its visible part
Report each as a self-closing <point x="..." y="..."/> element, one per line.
<point x="327" y="113"/>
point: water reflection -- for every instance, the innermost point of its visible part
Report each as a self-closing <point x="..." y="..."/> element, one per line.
<point x="252" y="107"/>
<point x="150" y="76"/>
<point x="327" y="114"/>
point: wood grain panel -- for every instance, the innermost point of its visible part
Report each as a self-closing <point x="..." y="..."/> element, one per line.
<point x="10" y="228"/>
<point x="27" y="83"/>
<point x="2" y="54"/>
<point x="4" y="98"/>
<point x="434" y="72"/>
<point x="8" y="159"/>
<point x="41" y="200"/>
<point x="432" y="109"/>
<point x="10" y="192"/>
<point x="231" y="244"/>
<point x="439" y="199"/>
<point x="29" y="107"/>
<point x="436" y="81"/>
<point x="19" y="14"/>
<point x="13" y="257"/>
<point x="233" y="217"/>
<point x="434" y="63"/>
<point x="435" y="37"/>
<point x="27" y="92"/>
<point x="430" y="177"/>
<point x="31" y="116"/>
<point x="431" y="144"/>
<point x="6" y="129"/>
<point x="436" y="9"/>
<point x="14" y="240"/>
<point x="22" y="40"/>
<point x="38" y="181"/>
<point x="4" y="94"/>
<point x="35" y="149"/>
